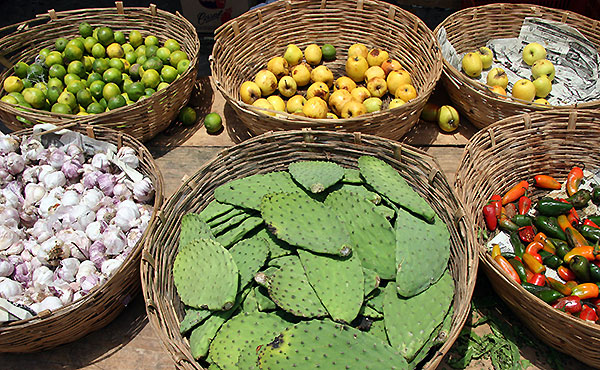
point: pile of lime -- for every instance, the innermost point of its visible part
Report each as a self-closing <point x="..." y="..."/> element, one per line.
<point x="99" y="71"/>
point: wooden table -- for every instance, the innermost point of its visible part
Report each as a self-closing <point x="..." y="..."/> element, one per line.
<point x="129" y="342"/>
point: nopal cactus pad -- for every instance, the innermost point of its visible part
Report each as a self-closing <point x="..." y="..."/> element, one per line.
<point x="360" y="191"/>
<point x="243" y="332"/>
<point x="408" y="325"/>
<point x="214" y="209"/>
<point x="277" y="247"/>
<point x="372" y="281"/>
<point x="338" y="281"/>
<point x="316" y="176"/>
<point x="385" y="180"/>
<point x="305" y="223"/>
<point x="422" y="253"/>
<point x="289" y="289"/>
<point x="352" y="176"/>
<point x="217" y="286"/>
<point x="235" y="234"/>
<point x="249" y="256"/>
<point x="324" y="344"/>
<point x="371" y="234"/>
<point x="438" y="337"/>
<point x="193" y="227"/>
<point x="234" y="211"/>
<point x="248" y="191"/>
<point x="193" y="317"/>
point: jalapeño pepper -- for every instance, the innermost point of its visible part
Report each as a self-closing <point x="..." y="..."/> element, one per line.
<point x="506" y="224"/>
<point x="519" y="268"/>
<point x="558" y="286"/>
<point x="590" y="233"/>
<point x="550" y="260"/>
<point x="551" y="207"/>
<point x="549" y="226"/>
<point x="518" y="246"/>
<point x="562" y="248"/>
<point x="549" y="295"/>
<point x="596" y="194"/>
<point x="580" y="199"/>
<point x="522" y="220"/>
<point x="594" y="272"/>
<point x="581" y="267"/>
<point x="534" y="289"/>
<point x="574" y="238"/>
<point x="595" y="219"/>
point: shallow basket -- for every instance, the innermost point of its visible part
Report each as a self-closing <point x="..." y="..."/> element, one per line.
<point x="244" y="45"/>
<point x="274" y="151"/>
<point x="52" y="328"/>
<point x="471" y="28"/>
<point x="516" y="149"/>
<point x="145" y="118"/>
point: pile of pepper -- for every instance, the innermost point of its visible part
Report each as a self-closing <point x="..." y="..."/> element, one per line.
<point x="556" y="238"/>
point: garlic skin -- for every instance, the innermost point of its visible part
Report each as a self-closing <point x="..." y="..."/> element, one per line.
<point x="34" y="193"/>
<point x="100" y="162"/>
<point x="28" y="216"/>
<point x="42" y="278"/>
<point x="106" y="183"/>
<point x="15" y="249"/>
<point x="109" y="267"/>
<point x="77" y="242"/>
<point x="86" y="268"/>
<point x="30" y="174"/>
<point x="90" y="179"/>
<point x="92" y="199"/>
<point x="6" y="267"/>
<point x="97" y="253"/>
<point x="42" y="230"/>
<point x="121" y="192"/>
<point x="7" y="237"/>
<point x="51" y="303"/>
<point x="23" y="273"/>
<point x="52" y="251"/>
<point x="31" y="149"/>
<point x="54" y="180"/>
<point x="143" y="191"/>
<point x="128" y="156"/>
<point x="9" y="288"/>
<point x="8" y="144"/>
<point x="127" y="215"/>
<point x="76" y="153"/>
<point x="71" y="169"/>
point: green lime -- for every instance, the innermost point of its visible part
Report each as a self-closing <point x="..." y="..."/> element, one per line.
<point x="70" y="77"/>
<point x="149" y="91"/>
<point x="126" y="81"/>
<point x="177" y="56"/>
<point x="53" y="58"/>
<point x="116" y="101"/>
<point x="85" y="30"/>
<point x="116" y="63"/>
<point x="76" y="67"/>
<point x="72" y="53"/>
<point x="115" y="50"/>
<point x="95" y="108"/>
<point x="141" y="59"/>
<point x="84" y="97"/>
<point x="162" y="85"/>
<point x="153" y="63"/>
<point x="135" y="38"/>
<point x="88" y="63"/>
<point x="168" y="74"/>
<point x="36" y="72"/>
<point x="44" y="53"/>
<point x="213" y="123"/>
<point x="56" y="82"/>
<point x="172" y="45"/>
<point x="134" y="72"/>
<point x="57" y="71"/>
<point x="27" y="83"/>
<point x="69" y="99"/>
<point x="19" y="97"/>
<point x="131" y="57"/>
<point x="163" y="54"/>
<point x="53" y="94"/>
<point x="151" y="40"/>
<point x="35" y="97"/>
<point x="77" y="42"/>
<point x="13" y="84"/>
<point x="328" y="51"/>
<point x="135" y="90"/>
<point x="110" y="89"/>
<point x="100" y="65"/>
<point x="183" y="65"/>
<point x="75" y="86"/>
<point x="103" y="104"/>
<point x="112" y="75"/>
<point x="141" y="50"/>
<point x="94" y="76"/>
<point x="89" y="43"/>
<point x="105" y="36"/>
<point x="98" y="51"/>
<point x="127" y="48"/>
<point x="187" y="116"/>
<point x="60" y="44"/>
<point x="96" y="88"/>
<point x="9" y="99"/>
<point x="61" y="108"/>
<point x="120" y="37"/>
<point x="42" y="86"/>
<point x="21" y="69"/>
<point x="151" y="78"/>
<point x="151" y="50"/>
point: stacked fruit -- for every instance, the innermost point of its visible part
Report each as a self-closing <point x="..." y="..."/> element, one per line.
<point x="96" y="72"/>
<point x="370" y="75"/>
<point x="554" y="252"/>
<point x="534" y="54"/>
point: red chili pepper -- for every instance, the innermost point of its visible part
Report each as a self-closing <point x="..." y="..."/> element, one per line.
<point x="565" y="273"/>
<point x="515" y="192"/>
<point x="591" y="223"/>
<point x="595" y="301"/>
<point x="586" y="290"/>
<point x="489" y="215"/>
<point x="533" y="249"/>
<point x="524" y="205"/>
<point x="573" y="180"/>
<point x="537" y="279"/>
<point x="546" y="182"/>
<point x="571" y="304"/>
<point x="572" y="216"/>
<point x="507" y="267"/>
<point x="558" y="286"/>
<point x="588" y="314"/>
<point x="526" y="234"/>
<point x="496" y="200"/>
<point x="528" y="273"/>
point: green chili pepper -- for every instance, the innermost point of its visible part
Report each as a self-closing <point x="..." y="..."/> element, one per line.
<point x="549" y="296"/>
<point x="589" y="232"/>
<point x="581" y="267"/>
<point x="562" y="248"/>
<point x="519" y="268"/>
<point x="551" y="207"/>
<point x="595" y="219"/>
<point x="550" y="260"/>
<point x="507" y="225"/>
<point x="594" y="273"/>
<point x="517" y="244"/>
<point x="580" y="199"/>
<point x="522" y="220"/>
<point x="533" y="289"/>
<point x="549" y="226"/>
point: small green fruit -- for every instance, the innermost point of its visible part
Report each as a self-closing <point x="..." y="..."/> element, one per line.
<point x="213" y="123"/>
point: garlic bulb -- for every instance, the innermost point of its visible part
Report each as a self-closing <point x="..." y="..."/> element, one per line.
<point x="30" y="174"/>
<point x="17" y="189"/>
<point x="7" y="237"/>
<point x="90" y="179"/>
<point x="121" y="192"/>
<point x="23" y="273"/>
<point x="15" y="164"/>
<point x="86" y="268"/>
<point x="127" y="215"/>
<point x="8" y="144"/>
<point x="143" y="190"/>
<point x="106" y="214"/>
<point x="9" y="288"/>
<point x="100" y="161"/>
<point x="52" y="251"/>
<point x="109" y="267"/>
<point x="133" y="236"/>
<point x="42" y="230"/>
<point x="5" y="177"/>
<point x="44" y="170"/>
<point x="106" y="183"/>
<point x="78" y="187"/>
<point x="28" y="216"/>
<point x="128" y="156"/>
<point x="77" y="241"/>
<point x="9" y="216"/>
<point x="54" y="180"/>
<point x="71" y="169"/>
<point x="63" y="290"/>
<point x="70" y="198"/>
<point x="48" y="205"/>
<point x="6" y="267"/>
<point x="97" y="251"/>
<point x="42" y="278"/>
<point x="57" y="158"/>
<point x="68" y="269"/>
<point x="31" y="149"/>
<point x="91" y="198"/>
<point x="75" y="152"/>
<point x="34" y="193"/>
<point x="94" y="230"/>
<point x="15" y="248"/>
<point x="114" y="239"/>
<point x="51" y="303"/>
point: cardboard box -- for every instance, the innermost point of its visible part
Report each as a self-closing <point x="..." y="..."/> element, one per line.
<point x="208" y="15"/>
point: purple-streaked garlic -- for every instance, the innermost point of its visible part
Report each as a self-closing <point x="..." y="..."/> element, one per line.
<point x="71" y="169"/>
<point x="143" y="190"/>
<point x="14" y="164"/>
<point x="128" y="156"/>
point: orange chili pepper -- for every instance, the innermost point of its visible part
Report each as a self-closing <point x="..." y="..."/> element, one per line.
<point x="507" y="267"/>
<point x="585" y="290"/>
<point x="571" y="284"/>
<point x="547" y="243"/>
<point x="563" y="222"/>
<point x="575" y="237"/>
<point x="558" y="286"/>
<point x="533" y="264"/>
<point x="515" y="192"/>
<point x="496" y="251"/>
<point x="573" y="180"/>
<point x="572" y="215"/>
<point x="534" y="247"/>
<point x="546" y="182"/>
<point x="585" y="251"/>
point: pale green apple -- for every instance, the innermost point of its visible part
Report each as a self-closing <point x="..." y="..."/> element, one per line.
<point x="293" y="55"/>
<point x="486" y="56"/>
<point x="543" y="86"/>
<point x="472" y="65"/>
<point x="533" y="52"/>
<point x="448" y="118"/>
<point x="524" y="89"/>
<point x="497" y="77"/>
<point x="373" y="104"/>
<point x="543" y="67"/>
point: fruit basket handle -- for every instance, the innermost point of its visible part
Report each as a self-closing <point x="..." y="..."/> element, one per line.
<point x="119" y="5"/>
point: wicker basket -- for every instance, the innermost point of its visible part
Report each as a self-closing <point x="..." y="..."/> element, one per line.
<point x="274" y="151"/>
<point x="143" y="119"/>
<point x="97" y="309"/>
<point x="515" y="149"/>
<point x="243" y="46"/>
<point x="471" y="28"/>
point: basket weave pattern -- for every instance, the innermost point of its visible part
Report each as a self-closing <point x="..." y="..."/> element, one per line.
<point x="143" y="119"/>
<point x="471" y="28"/>
<point x="103" y="304"/>
<point x="243" y="46"/>
<point x="274" y="151"/>
<point x="519" y="148"/>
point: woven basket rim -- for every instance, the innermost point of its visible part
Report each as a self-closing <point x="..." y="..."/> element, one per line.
<point x="132" y="258"/>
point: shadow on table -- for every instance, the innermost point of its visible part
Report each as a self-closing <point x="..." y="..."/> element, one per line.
<point x="236" y="129"/>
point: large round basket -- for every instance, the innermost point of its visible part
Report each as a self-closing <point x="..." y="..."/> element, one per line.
<point x="515" y="149"/>
<point x="143" y="119"/>
<point x="471" y="28"/>
<point x="52" y="328"/>
<point x="244" y="45"/>
<point x="274" y="151"/>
